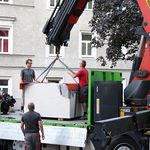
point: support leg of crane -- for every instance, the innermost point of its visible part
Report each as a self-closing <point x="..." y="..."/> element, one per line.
<point x="80" y="148"/>
<point x="67" y="147"/>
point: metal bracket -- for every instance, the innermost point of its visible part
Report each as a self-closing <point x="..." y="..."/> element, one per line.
<point x="141" y="31"/>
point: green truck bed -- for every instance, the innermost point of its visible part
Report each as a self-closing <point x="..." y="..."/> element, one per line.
<point x="15" y="117"/>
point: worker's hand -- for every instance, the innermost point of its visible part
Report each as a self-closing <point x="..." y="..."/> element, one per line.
<point x="43" y="136"/>
<point x="36" y="81"/>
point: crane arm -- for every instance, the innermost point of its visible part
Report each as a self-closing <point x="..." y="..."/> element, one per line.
<point x="144" y="6"/>
<point x="58" y="27"/>
<point x="145" y="9"/>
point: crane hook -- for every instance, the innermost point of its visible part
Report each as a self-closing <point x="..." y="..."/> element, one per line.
<point x="57" y="51"/>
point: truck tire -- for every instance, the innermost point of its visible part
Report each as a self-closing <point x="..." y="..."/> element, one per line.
<point x="123" y="143"/>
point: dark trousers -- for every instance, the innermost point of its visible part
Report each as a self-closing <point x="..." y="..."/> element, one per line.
<point x="84" y="95"/>
<point x="32" y="141"/>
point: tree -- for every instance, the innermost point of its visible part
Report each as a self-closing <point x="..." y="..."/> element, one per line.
<point x="114" y="22"/>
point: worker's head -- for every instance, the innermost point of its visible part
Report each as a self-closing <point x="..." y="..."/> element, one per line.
<point x="31" y="106"/>
<point x="29" y="63"/>
<point x="83" y="64"/>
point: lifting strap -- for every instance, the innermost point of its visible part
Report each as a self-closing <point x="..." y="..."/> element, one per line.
<point x="65" y="66"/>
<point x="48" y="69"/>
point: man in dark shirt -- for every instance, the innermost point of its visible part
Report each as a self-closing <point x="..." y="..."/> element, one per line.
<point x="82" y="75"/>
<point x="31" y="124"/>
<point x="27" y="74"/>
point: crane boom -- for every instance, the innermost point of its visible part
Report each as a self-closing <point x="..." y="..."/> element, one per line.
<point x="58" y="27"/>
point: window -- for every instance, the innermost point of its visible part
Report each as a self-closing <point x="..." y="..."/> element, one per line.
<point x="86" y="45"/>
<point x="54" y="79"/>
<point x="6" y="37"/>
<point x="53" y="3"/>
<point x="6" y="85"/>
<point x="6" y="1"/>
<point x="89" y="5"/>
<point x="51" y="51"/>
<point x="3" y="86"/>
<point x="86" y="48"/>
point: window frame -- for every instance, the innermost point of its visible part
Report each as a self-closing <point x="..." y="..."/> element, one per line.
<point x="54" y="79"/>
<point x="9" y="86"/>
<point x="10" y="2"/>
<point x="49" y="6"/>
<point x="93" y="49"/>
<point x="62" y="52"/>
<point x="87" y="9"/>
<point x="8" y="25"/>
<point x="2" y="41"/>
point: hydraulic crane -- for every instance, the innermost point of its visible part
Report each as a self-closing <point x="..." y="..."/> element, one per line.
<point x="105" y="127"/>
<point x="137" y="93"/>
<point x="58" y="28"/>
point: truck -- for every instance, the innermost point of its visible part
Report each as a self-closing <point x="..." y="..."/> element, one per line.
<point x="110" y="124"/>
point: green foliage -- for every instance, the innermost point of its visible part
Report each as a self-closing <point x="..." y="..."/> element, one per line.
<point x="114" y="23"/>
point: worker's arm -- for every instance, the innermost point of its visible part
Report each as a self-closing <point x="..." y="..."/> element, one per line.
<point x="72" y="74"/>
<point x="22" y="127"/>
<point x="75" y="75"/>
<point x="41" y="128"/>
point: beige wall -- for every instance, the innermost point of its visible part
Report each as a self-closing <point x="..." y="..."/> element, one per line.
<point x="24" y="2"/>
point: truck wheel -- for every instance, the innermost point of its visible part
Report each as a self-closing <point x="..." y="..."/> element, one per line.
<point x="123" y="143"/>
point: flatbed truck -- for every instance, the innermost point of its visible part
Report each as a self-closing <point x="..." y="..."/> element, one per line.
<point x="108" y="132"/>
<point x="110" y="125"/>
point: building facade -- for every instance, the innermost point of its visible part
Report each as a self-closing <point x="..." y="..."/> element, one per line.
<point x="21" y="37"/>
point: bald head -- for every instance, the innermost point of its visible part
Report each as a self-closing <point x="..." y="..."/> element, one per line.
<point x="31" y="106"/>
